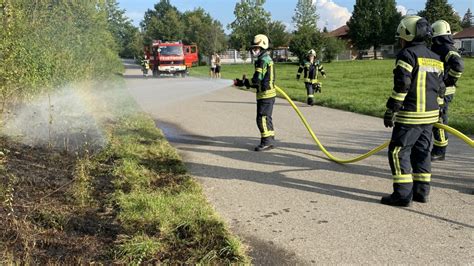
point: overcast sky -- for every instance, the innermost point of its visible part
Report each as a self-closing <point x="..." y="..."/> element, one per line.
<point x="332" y="13"/>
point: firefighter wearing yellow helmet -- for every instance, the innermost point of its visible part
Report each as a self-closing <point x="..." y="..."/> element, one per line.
<point x="263" y="80"/>
<point x="412" y="109"/>
<point x="311" y="66"/>
<point x="443" y="45"/>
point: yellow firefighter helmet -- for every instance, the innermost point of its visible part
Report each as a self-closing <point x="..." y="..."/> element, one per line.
<point x="407" y="28"/>
<point x="440" y="28"/>
<point x="261" y="41"/>
<point x="312" y="52"/>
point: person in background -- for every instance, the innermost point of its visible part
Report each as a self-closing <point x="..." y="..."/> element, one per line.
<point x="218" y="66"/>
<point x="212" y="70"/>
<point x="311" y="67"/>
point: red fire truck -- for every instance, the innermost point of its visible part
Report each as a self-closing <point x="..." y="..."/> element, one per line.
<point x="166" y="58"/>
<point x="171" y="58"/>
<point x="191" y="55"/>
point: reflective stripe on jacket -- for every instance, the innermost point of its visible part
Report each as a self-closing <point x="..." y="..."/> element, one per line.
<point x="264" y="77"/>
<point x="418" y="81"/>
<point x="453" y="64"/>
<point x="311" y="71"/>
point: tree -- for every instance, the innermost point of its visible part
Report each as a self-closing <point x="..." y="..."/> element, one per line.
<point x="332" y="47"/>
<point x="250" y="19"/>
<point x="373" y="23"/>
<point x="277" y="34"/>
<point x="306" y="35"/>
<point x="305" y="39"/>
<point x="203" y="30"/>
<point x="164" y="22"/>
<point x="440" y="9"/>
<point x="305" y="15"/>
<point x="467" y="20"/>
<point x="125" y="34"/>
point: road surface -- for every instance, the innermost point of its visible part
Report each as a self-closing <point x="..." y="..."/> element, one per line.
<point x="292" y="205"/>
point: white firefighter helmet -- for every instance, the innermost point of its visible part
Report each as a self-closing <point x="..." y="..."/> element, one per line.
<point x="440" y="28"/>
<point x="407" y="28"/>
<point x="312" y="52"/>
<point x="261" y="41"/>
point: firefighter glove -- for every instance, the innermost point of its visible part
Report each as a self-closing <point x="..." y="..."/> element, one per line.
<point x="389" y="118"/>
<point x="298" y="76"/>
<point x="247" y="83"/>
<point x="317" y="88"/>
<point x="238" y="82"/>
<point x="324" y="75"/>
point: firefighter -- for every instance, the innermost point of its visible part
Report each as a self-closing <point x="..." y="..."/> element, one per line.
<point x="412" y="109"/>
<point x="453" y="68"/>
<point x="145" y="63"/>
<point x="263" y="81"/>
<point x="311" y="68"/>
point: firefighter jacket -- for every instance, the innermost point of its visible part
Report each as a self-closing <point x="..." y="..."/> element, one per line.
<point x="453" y="63"/>
<point x="264" y="77"/>
<point x="418" y="81"/>
<point x="311" y="71"/>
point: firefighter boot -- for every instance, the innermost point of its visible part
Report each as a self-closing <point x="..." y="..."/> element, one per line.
<point x="310" y="100"/>
<point x="401" y="196"/>
<point x="265" y="144"/>
<point x="438" y="153"/>
<point x="421" y="191"/>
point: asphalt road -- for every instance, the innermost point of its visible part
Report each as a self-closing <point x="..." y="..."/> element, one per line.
<point x="292" y="205"/>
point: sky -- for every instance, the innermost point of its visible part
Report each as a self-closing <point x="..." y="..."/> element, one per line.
<point x="332" y="13"/>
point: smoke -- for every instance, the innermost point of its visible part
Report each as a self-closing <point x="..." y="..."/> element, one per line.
<point x="70" y="119"/>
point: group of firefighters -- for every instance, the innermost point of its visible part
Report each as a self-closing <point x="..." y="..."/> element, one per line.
<point x="424" y="85"/>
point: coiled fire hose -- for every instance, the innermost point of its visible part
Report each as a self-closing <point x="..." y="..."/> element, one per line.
<point x="449" y="129"/>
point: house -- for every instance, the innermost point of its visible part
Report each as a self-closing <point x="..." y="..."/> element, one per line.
<point x="464" y="41"/>
<point x="342" y="33"/>
<point x="352" y="52"/>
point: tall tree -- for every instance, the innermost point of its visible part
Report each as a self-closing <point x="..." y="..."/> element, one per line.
<point x="306" y="36"/>
<point x="122" y="29"/>
<point x="373" y="23"/>
<point x="467" y="20"/>
<point x="278" y="34"/>
<point x="164" y="22"/>
<point x="250" y="19"/>
<point x="203" y="30"/>
<point x="440" y="9"/>
<point x="305" y="15"/>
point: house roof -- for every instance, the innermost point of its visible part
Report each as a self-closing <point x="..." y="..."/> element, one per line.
<point x="339" y="32"/>
<point x="465" y="33"/>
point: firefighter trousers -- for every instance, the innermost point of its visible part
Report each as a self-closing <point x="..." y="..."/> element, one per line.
<point x="410" y="160"/>
<point x="440" y="136"/>
<point x="311" y="88"/>
<point x="264" y="120"/>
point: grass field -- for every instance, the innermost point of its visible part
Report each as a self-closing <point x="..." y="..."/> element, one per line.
<point x="360" y="86"/>
<point x="131" y="203"/>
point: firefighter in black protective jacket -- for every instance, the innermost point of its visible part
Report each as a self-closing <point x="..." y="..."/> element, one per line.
<point x="412" y="109"/>
<point x="263" y="81"/>
<point x="453" y="68"/>
<point x="311" y="68"/>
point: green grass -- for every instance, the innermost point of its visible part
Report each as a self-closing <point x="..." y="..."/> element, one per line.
<point x="162" y="210"/>
<point x="133" y="199"/>
<point x="360" y="86"/>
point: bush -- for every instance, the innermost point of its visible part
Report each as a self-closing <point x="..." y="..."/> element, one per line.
<point x="47" y="44"/>
<point x="332" y="47"/>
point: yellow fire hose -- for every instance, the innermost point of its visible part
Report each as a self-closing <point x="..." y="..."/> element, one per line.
<point x="451" y="130"/>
